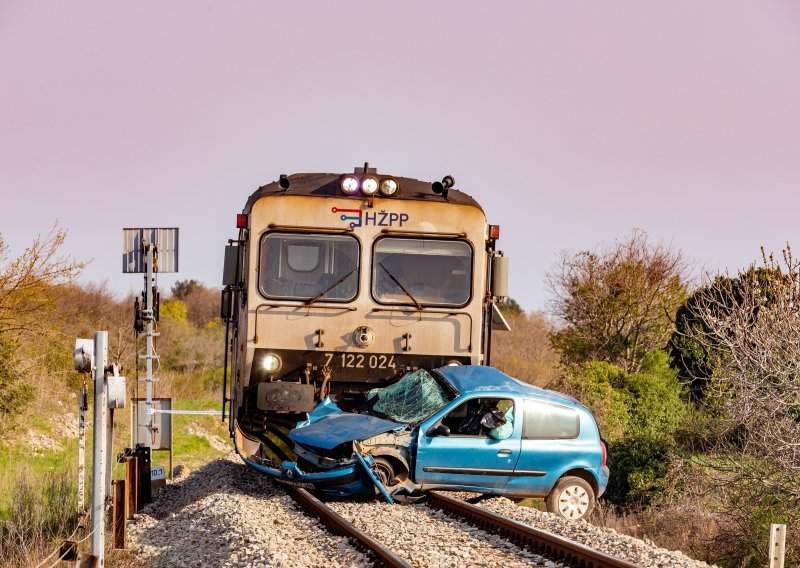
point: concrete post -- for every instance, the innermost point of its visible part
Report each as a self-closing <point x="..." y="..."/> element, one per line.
<point x="99" y="449"/>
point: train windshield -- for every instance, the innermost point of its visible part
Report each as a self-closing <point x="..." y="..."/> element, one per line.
<point x="308" y="266"/>
<point x="422" y="271"/>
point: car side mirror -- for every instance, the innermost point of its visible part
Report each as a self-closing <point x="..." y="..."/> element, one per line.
<point x="438" y="430"/>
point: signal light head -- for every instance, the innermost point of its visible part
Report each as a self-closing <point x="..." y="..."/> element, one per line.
<point x="349" y="185"/>
<point x="369" y="186"/>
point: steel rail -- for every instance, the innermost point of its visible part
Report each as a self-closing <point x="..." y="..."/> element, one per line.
<point x="554" y="548"/>
<point x="338" y="524"/>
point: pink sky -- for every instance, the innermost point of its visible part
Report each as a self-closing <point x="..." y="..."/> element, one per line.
<point x="571" y="122"/>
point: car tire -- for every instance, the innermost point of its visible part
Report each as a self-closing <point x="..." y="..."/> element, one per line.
<point x="571" y="498"/>
<point x="384" y="471"/>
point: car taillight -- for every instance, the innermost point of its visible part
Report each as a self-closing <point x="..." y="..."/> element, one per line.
<point x="604" y="449"/>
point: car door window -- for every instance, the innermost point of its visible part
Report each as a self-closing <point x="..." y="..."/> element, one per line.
<point x="478" y="416"/>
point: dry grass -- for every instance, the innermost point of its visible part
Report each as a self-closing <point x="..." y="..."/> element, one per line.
<point x="41" y="512"/>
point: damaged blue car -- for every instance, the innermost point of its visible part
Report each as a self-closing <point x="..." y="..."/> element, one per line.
<point x="466" y="428"/>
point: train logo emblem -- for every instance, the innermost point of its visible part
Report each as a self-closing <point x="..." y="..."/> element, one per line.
<point x="358" y="218"/>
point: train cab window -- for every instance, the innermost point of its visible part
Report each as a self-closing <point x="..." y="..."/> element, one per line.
<point x="424" y="271"/>
<point x="303" y="266"/>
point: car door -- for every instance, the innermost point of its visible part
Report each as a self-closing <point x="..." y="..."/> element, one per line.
<point x="465" y="460"/>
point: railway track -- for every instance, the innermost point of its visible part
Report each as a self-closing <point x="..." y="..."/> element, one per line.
<point x="552" y="547"/>
<point x="339" y="525"/>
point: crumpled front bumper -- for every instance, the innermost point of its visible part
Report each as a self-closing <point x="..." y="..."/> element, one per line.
<point x="350" y="481"/>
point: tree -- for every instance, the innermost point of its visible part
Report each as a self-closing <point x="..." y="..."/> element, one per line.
<point x="183" y="288"/>
<point x="30" y="283"/>
<point x="525" y="351"/>
<point x="752" y="332"/>
<point x="616" y="303"/>
<point x="29" y="287"/>
<point x="511" y="307"/>
<point x="202" y="303"/>
<point x="695" y="360"/>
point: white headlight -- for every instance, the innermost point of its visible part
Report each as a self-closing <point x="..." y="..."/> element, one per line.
<point x="453" y="363"/>
<point x="389" y="187"/>
<point x="369" y="186"/>
<point x="349" y="185"/>
<point x="271" y="363"/>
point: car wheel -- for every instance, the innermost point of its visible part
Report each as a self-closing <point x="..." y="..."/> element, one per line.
<point x="572" y="498"/>
<point x="384" y="470"/>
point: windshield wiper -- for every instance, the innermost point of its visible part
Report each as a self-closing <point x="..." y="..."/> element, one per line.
<point x="331" y="287"/>
<point x="403" y="288"/>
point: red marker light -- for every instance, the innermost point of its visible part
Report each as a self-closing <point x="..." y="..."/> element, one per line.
<point x="494" y="231"/>
<point x="241" y="221"/>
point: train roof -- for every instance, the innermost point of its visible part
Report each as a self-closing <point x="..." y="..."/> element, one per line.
<point x="327" y="185"/>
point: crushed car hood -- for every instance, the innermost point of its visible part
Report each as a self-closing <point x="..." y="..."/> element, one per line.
<point x="329" y="431"/>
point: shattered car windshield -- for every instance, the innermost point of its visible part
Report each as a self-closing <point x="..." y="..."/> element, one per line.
<point x="411" y="399"/>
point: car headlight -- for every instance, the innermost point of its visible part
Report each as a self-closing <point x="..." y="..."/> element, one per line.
<point x="389" y="187"/>
<point x="271" y="363"/>
<point x="349" y="185"/>
<point x="369" y="186"/>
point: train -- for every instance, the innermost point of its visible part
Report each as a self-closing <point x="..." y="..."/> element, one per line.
<point x="339" y="283"/>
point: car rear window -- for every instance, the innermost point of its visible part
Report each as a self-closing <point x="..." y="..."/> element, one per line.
<point x="549" y="421"/>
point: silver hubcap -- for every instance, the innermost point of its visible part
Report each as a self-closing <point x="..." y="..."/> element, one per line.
<point x="573" y="502"/>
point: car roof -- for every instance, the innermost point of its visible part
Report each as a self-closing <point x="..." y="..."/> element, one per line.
<point x="470" y="379"/>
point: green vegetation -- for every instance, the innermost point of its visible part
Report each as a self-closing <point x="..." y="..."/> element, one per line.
<point x="696" y="391"/>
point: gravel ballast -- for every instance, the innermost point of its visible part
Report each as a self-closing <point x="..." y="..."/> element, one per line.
<point x="225" y="514"/>
<point x="609" y="541"/>
<point x="426" y="537"/>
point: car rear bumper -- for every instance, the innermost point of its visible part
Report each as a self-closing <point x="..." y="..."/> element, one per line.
<point x="602" y="479"/>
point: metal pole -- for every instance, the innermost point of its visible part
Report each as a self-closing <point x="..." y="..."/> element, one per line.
<point x="120" y="513"/>
<point x="99" y="448"/>
<point x="150" y="351"/>
<point x="82" y="408"/>
<point x="225" y="366"/>
<point x="109" y="447"/>
<point x="132" y="482"/>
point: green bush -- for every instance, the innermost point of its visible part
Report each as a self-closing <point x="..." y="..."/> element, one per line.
<point x="638" y="467"/>
<point x="638" y="413"/>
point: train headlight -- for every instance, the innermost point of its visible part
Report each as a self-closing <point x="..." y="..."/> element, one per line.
<point x="453" y="363"/>
<point x="349" y="185"/>
<point x="369" y="186"/>
<point x="271" y="363"/>
<point x="389" y="187"/>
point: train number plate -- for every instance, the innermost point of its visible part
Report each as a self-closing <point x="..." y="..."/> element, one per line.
<point x="360" y="361"/>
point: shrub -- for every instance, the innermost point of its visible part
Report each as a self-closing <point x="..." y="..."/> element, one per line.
<point x="638" y="413"/>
